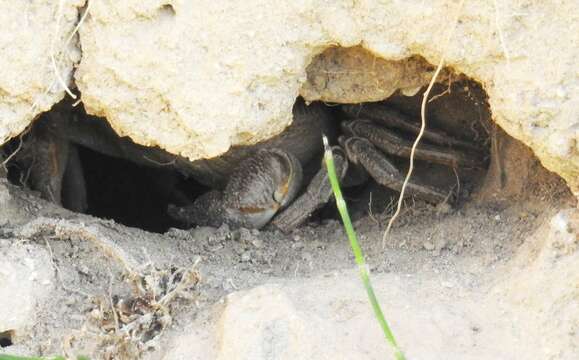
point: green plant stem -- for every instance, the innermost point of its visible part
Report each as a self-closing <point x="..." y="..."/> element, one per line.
<point x="359" y="257"/>
<point x="14" y="357"/>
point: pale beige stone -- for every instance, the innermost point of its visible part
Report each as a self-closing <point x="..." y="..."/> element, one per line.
<point x="542" y="286"/>
<point x="26" y="279"/>
<point x="432" y="316"/>
<point x="32" y="31"/>
<point x="354" y="75"/>
<point x="199" y="77"/>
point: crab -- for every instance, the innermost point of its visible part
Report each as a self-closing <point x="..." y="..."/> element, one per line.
<point x="278" y="182"/>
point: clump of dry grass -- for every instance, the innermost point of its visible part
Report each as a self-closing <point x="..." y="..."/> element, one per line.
<point x="124" y="327"/>
<point x="119" y="326"/>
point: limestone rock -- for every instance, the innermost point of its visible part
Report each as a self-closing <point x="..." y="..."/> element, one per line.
<point x="354" y="75"/>
<point x="198" y="77"/>
<point x="331" y="318"/>
<point x="542" y="282"/>
<point x="12" y="211"/>
<point x="25" y="281"/>
<point x="33" y="31"/>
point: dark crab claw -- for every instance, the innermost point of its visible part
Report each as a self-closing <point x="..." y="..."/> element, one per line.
<point x="317" y="194"/>
<point x="262" y="185"/>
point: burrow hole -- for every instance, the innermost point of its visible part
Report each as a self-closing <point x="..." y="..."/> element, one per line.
<point x="6" y="338"/>
<point x="137" y="194"/>
<point x="167" y="11"/>
<point x="131" y="193"/>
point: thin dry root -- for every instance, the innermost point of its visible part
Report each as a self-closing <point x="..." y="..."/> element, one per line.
<point x="64" y="229"/>
<point x="123" y="326"/>
<point x="422" y="128"/>
<point x="133" y="324"/>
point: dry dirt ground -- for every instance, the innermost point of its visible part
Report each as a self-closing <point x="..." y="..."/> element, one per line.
<point x="496" y="278"/>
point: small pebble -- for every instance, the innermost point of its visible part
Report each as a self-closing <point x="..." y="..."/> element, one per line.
<point x="215" y="248"/>
<point x="428" y="246"/>
<point x="246" y="256"/>
<point x="441" y="243"/>
<point x="70" y="301"/>
<point x="298" y="245"/>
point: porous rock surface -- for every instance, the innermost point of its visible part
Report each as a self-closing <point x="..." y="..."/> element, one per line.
<point x="198" y="77"/>
<point x="33" y="33"/>
<point x="25" y="281"/>
<point x="329" y="317"/>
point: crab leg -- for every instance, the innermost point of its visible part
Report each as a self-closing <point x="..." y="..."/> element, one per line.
<point x="362" y="151"/>
<point x="49" y="159"/>
<point x="257" y="189"/>
<point x="396" y="145"/>
<point x="74" y="193"/>
<point x="317" y="195"/>
<point x="395" y="119"/>
<point x="207" y="210"/>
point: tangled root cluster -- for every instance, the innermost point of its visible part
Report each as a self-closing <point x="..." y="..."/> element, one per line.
<point x="125" y="327"/>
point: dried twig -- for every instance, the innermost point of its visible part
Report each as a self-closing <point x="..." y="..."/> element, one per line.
<point x="18" y="148"/>
<point x="112" y="303"/>
<point x="55" y="36"/>
<point x="370" y="212"/>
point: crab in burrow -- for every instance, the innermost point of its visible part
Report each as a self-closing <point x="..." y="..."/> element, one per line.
<point x="278" y="181"/>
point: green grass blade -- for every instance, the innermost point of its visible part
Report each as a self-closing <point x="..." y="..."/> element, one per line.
<point x="363" y="269"/>
<point x="14" y="357"/>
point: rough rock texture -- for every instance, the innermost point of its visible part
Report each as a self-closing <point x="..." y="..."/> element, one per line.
<point x="26" y="274"/>
<point x="11" y="210"/>
<point x="329" y="317"/>
<point x="198" y="77"/>
<point x="354" y="75"/>
<point x="472" y="284"/>
<point x="535" y="297"/>
<point x="25" y="281"/>
<point x="31" y="32"/>
<point x="531" y="287"/>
